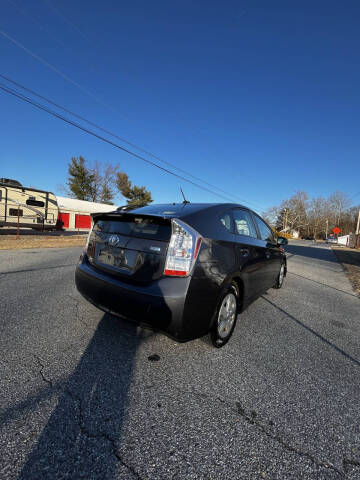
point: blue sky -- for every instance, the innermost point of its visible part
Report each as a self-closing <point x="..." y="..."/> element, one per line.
<point x="259" y="98"/>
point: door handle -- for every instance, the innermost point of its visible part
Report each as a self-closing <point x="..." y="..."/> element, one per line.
<point x="244" y="252"/>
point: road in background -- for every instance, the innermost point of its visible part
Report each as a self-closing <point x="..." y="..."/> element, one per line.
<point x="86" y="395"/>
<point x="50" y="233"/>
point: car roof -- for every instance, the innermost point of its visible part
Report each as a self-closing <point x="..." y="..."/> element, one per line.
<point x="181" y="210"/>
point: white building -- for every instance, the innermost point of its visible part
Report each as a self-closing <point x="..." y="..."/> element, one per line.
<point x="75" y="214"/>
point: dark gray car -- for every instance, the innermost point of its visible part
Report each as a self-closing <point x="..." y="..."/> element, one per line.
<point x="183" y="269"/>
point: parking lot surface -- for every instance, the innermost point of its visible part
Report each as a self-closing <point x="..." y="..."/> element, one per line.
<point x="84" y="395"/>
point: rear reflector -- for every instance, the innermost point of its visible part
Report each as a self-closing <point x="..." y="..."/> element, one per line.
<point x="183" y="249"/>
<point x="175" y="273"/>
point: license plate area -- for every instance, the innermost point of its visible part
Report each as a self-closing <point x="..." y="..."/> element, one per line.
<point x="118" y="259"/>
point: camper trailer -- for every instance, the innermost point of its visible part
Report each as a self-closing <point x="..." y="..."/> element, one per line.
<point x="26" y="206"/>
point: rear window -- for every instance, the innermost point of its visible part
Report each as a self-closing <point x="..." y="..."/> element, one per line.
<point x="136" y="226"/>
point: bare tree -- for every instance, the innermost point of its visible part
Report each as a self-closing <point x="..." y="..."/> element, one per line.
<point x="271" y="215"/>
<point x="97" y="181"/>
<point x="318" y="213"/>
<point x="293" y="211"/>
<point x="108" y="187"/>
<point x="103" y="186"/>
<point x="339" y="202"/>
<point x="316" y="216"/>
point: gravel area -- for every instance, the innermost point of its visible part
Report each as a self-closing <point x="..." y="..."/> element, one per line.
<point x="350" y="260"/>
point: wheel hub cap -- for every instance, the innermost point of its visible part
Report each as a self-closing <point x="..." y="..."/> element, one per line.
<point x="281" y="274"/>
<point x="227" y="315"/>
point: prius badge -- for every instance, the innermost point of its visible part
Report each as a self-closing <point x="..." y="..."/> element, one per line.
<point x="113" y="240"/>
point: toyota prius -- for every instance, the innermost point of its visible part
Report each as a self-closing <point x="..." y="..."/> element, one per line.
<point x="182" y="269"/>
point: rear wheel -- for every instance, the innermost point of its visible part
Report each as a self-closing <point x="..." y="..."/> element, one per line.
<point x="225" y="320"/>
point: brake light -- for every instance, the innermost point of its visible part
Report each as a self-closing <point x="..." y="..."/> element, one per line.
<point x="88" y="238"/>
<point x="183" y="249"/>
<point x="90" y="246"/>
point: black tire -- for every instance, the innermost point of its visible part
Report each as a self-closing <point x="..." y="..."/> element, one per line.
<point x="280" y="278"/>
<point x="220" y="334"/>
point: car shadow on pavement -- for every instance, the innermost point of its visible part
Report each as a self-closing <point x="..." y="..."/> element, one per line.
<point x="318" y="335"/>
<point x="82" y="434"/>
<point x="310" y="251"/>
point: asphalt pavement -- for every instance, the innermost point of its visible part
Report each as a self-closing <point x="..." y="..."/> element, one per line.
<point x="84" y="395"/>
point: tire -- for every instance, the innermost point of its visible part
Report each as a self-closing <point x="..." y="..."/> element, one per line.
<point x="225" y="317"/>
<point x="280" y="278"/>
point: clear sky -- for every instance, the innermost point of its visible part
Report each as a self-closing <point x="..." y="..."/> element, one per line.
<point x="259" y="98"/>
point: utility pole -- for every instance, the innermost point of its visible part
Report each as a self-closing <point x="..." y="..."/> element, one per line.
<point x="327" y="226"/>
<point x="358" y="224"/>
<point x="18" y="225"/>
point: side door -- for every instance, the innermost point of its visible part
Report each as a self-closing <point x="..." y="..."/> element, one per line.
<point x="249" y="252"/>
<point x="271" y="252"/>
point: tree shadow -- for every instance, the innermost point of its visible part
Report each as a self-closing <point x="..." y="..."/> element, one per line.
<point x="312" y="252"/>
<point x="348" y="257"/>
<point x="82" y="434"/>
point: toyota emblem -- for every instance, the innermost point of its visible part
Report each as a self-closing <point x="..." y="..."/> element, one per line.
<point x="113" y="240"/>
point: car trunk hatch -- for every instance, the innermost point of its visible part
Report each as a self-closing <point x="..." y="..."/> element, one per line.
<point x="130" y="246"/>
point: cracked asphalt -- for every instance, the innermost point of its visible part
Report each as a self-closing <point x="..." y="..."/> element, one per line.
<point x="84" y="395"/>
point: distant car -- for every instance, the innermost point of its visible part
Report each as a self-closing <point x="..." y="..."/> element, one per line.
<point x="331" y="240"/>
<point x="184" y="270"/>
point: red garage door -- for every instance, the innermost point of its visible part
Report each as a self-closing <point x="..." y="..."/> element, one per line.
<point x="64" y="217"/>
<point x="83" y="221"/>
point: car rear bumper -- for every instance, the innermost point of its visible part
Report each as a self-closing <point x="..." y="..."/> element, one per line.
<point x="159" y="305"/>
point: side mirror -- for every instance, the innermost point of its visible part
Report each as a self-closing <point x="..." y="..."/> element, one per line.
<point x="282" y="241"/>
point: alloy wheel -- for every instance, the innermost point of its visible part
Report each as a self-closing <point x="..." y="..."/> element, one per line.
<point x="227" y="315"/>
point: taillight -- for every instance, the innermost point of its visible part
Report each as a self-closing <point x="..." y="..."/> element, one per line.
<point x="88" y="238"/>
<point x="90" y="246"/>
<point x="183" y="249"/>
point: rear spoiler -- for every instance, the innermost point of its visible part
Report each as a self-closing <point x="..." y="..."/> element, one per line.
<point x="121" y="209"/>
<point x="120" y="213"/>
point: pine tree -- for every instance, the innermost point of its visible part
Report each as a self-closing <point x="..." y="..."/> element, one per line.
<point x="136" y="196"/>
<point x="80" y="179"/>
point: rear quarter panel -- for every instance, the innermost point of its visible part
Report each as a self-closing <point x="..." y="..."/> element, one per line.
<point x="213" y="270"/>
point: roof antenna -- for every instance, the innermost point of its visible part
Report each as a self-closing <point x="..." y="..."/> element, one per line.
<point x="185" y="201"/>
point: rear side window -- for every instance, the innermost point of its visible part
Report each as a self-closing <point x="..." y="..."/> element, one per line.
<point x="226" y="220"/>
<point x="243" y="223"/>
<point x="14" y="212"/>
<point x="136" y="226"/>
<point x="265" y="232"/>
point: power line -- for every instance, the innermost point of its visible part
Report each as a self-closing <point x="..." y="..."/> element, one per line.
<point x="86" y="130"/>
<point x="66" y="20"/>
<point x="123" y="140"/>
<point x="67" y="78"/>
<point x="54" y="69"/>
<point x="36" y="22"/>
<point x="94" y="97"/>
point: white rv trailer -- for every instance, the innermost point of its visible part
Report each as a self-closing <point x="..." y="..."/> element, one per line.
<point x="75" y="214"/>
<point x="26" y="206"/>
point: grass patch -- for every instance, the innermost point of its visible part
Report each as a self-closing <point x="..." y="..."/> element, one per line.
<point x="9" y="242"/>
<point x="350" y="260"/>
